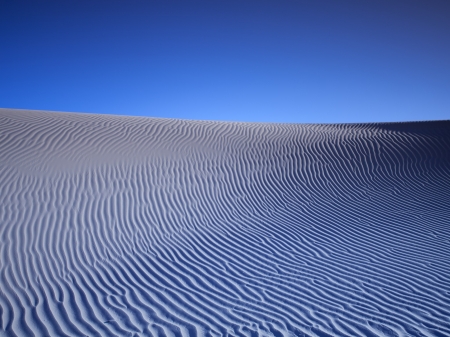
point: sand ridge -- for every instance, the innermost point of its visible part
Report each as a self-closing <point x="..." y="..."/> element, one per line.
<point x="128" y="226"/>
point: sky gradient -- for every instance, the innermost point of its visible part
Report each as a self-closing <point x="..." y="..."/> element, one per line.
<point x="268" y="61"/>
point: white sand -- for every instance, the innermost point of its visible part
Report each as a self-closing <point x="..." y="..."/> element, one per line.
<point x="122" y="226"/>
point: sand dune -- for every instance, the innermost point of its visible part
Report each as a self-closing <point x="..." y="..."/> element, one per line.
<point x="123" y="226"/>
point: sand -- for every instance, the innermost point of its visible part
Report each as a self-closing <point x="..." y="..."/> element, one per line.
<point x="129" y="226"/>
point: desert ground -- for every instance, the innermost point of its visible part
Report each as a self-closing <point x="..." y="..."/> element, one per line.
<point x="133" y="226"/>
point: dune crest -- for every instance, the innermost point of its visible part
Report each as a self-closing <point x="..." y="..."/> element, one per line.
<point x="128" y="226"/>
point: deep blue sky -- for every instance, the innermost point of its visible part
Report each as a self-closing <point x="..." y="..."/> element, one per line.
<point x="281" y="61"/>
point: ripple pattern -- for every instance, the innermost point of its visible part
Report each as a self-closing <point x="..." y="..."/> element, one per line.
<point x="127" y="226"/>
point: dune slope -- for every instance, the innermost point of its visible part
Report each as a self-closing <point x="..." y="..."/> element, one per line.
<point x="123" y="226"/>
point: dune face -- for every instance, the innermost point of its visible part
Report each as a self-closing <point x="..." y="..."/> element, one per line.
<point x="121" y="226"/>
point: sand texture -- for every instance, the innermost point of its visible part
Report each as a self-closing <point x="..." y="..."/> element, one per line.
<point x="127" y="226"/>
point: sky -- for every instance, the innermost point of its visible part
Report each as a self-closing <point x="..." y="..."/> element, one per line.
<point x="296" y="61"/>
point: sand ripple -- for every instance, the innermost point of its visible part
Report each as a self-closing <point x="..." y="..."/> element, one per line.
<point x="122" y="226"/>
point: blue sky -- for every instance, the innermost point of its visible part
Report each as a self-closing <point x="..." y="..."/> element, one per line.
<point x="269" y="61"/>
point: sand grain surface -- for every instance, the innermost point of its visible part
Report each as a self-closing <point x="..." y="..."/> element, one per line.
<point x="123" y="226"/>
